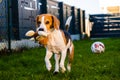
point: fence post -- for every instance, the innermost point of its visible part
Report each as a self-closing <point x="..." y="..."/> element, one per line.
<point x="108" y="24"/>
<point x="43" y="7"/>
<point x="72" y="30"/>
<point x="15" y="19"/>
<point x="60" y="5"/>
<point x="83" y="20"/>
<point x="79" y="21"/>
<point x="9" y="24"/>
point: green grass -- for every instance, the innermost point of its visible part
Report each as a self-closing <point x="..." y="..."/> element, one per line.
<point x="29" y="65"/>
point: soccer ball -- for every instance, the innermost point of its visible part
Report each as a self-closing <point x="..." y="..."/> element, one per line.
<point x="97" y="47"/>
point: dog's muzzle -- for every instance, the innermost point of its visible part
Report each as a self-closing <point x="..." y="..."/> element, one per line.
<point x="41" y="29"/>
<point x="42" y="32"/>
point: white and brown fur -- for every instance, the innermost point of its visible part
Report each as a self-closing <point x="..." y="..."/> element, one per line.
<point x="58" y="42"/>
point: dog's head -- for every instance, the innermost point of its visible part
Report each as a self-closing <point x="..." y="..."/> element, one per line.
<point x="46" y="23"/>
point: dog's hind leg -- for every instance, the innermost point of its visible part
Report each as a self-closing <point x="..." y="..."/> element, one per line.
<point x="70" y="57"/>
<point x="47" y="60"/>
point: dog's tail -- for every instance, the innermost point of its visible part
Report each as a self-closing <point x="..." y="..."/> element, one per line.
<point x="67" y="24"/>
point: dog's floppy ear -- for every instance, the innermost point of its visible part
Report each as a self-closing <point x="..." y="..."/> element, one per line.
<point x="56" y="22"/>
<point x="37" y="17"/>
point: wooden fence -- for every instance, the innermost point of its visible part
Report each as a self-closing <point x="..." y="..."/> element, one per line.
<point x="18" y="16"/>
<point x="105" y="25"/>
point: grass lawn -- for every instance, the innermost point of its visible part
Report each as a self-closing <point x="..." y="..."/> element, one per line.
<point x="29" y="65"/>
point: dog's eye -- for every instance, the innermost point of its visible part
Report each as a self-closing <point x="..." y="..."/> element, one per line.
<point x="39" y="22"/>
<point x="47" y="22"/>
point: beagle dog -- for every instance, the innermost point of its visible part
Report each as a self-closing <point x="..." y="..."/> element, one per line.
<point x="55" y="41"/>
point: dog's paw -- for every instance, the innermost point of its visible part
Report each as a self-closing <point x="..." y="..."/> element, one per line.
<point x="49" y="67"/>
<point x="69" y="67"/>
<point x="63" y="69"/>
<point x="55" y="72"/>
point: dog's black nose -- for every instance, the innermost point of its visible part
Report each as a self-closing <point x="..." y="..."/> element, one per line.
<point x="41" y="29"/>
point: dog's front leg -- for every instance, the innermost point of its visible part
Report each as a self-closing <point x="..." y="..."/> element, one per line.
<point x="63" y="56"/>
<point x="57" y="58"/>
<point x="47" y="60"/>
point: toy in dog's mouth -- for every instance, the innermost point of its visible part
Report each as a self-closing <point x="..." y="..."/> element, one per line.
<point x="30" y="33"/>
<point x="40" y="36"/>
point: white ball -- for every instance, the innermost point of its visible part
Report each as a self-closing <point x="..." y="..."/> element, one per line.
<point x="97" y="47"/>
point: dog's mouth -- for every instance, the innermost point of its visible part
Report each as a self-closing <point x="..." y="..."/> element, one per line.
<point x="43" y="33"/>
